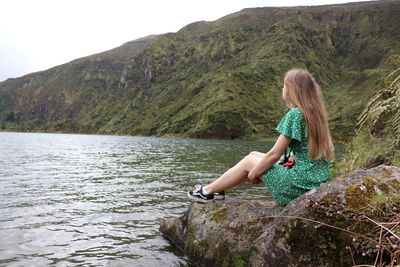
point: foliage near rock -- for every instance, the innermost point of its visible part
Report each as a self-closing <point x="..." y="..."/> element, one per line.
<point x="346" y="221"/>
<point x="218" y="79"/>
<point x="378" y="138"/>
<point x="381" y="116"/>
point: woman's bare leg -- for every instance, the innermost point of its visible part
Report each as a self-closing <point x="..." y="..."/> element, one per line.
<point x="257" y="154"/>
<point x="235" y="175"/>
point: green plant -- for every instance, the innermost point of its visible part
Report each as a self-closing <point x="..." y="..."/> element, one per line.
<point x="382" y="113"/>
<point x="378" y="131"/>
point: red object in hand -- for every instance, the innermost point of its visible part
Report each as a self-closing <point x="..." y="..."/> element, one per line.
<point x="289" y="164"/>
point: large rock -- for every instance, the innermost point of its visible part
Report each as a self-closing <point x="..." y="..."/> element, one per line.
<point x="252" y="233"/>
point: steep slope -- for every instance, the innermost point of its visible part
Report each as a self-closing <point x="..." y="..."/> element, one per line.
<point x="52" y="100"/>
<point x="218" y="79"/>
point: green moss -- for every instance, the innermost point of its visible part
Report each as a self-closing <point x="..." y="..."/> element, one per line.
<point x="237" y="261"/>
<point x="220" y="214"/>
<point x="360" y="194"/>
<point x="383" y="187"/>
<point x="395" y="184"/>
<point x="203" y="245"/>
<point x="219" y="218"/>
<point x="191" y="236"/>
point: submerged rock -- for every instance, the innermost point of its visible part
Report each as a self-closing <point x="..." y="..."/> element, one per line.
<point x="253" y="233"/>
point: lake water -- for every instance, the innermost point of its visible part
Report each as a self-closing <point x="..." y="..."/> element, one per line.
<point x="98" y="200"/>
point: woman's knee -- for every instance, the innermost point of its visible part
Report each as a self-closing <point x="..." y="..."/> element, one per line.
<point x="256" y="154"/>
<point x="249" y="162"/>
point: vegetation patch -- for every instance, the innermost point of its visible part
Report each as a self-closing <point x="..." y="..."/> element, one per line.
<point x="220" y="216"/>
<point x="369" y="231"/>
<point x="378" y="138"/>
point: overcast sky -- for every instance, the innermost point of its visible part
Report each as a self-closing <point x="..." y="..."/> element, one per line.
<point x="39" y="34"/>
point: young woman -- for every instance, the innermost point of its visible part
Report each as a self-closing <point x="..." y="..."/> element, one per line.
<point x="304" y="131"/>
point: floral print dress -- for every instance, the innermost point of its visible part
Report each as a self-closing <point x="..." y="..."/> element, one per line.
<point x="286" y="184"/>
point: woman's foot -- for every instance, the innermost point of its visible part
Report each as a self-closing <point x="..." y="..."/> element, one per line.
<point x="198" y="195"/>
<point x="219" y="195"/>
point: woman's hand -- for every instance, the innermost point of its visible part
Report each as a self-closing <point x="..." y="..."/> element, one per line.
<point x="268" y="159"/>
<point x="254" y="177"/>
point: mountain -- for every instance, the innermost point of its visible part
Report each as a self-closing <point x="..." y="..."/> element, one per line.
<point x="54" y="99"/>
<point x="219" y="79"/>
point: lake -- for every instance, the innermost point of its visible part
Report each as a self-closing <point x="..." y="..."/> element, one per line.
<point x="98" y="200"/>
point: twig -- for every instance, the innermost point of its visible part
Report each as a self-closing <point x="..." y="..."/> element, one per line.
<point x="378" y="253"/>
<point x="380" y="225"/>
<point x="390" y="223"/>
<point x="352" y="257"/>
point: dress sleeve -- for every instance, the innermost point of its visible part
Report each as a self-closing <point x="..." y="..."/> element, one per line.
<point x="293" y="125"/>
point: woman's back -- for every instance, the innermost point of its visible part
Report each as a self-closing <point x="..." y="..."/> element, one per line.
<point x="287" y="183"/>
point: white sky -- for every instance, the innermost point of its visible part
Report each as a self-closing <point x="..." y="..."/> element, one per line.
<point x="39" y="34"/>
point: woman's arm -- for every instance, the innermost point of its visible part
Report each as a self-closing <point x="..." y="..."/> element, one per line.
<point x="270" y="158"/>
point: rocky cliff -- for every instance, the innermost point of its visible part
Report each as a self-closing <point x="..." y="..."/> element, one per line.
<point x="347" y="221"/>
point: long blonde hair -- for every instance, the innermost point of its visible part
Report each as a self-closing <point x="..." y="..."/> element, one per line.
<point x="302" y="91"/>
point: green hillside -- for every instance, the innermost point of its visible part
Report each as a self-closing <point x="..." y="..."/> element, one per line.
<point x="219" y="79"/>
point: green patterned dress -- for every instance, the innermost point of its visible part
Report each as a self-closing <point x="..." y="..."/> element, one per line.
<point x="286" y="184"/>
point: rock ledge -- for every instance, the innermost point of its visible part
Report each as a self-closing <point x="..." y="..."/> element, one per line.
<point x="253" y="233"/>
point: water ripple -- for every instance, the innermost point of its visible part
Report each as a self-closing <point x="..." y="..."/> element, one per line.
<point x="98" y="200"/>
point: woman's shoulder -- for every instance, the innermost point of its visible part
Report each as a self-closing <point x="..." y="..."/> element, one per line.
<point x="294" y="112"/>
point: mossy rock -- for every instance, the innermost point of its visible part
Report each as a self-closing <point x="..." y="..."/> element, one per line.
<point x="306" y="232"/>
